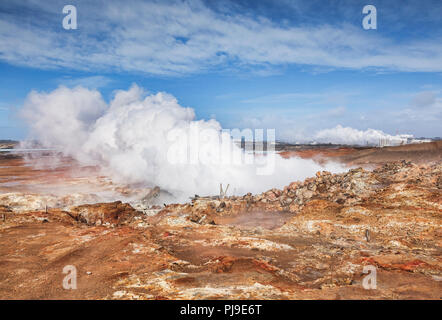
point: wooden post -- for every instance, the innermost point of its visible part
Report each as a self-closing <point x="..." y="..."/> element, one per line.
<point x="222" y="193"/>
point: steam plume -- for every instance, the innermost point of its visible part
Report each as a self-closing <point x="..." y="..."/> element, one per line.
<point x="130" y="139"/>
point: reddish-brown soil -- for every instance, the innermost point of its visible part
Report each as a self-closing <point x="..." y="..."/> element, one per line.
<point x="418" y="153"/>
<point x="18" y="173"/>
<point x="310" y="240"/>
<point x="320" y="155"/>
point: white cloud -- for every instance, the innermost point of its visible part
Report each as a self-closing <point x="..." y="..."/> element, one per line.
<point x="186" y="37"/>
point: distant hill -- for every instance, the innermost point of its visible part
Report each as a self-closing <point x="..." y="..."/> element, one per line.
<point x="8" y="144"/>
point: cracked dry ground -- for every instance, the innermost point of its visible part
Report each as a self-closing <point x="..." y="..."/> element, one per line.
<point x="310" y="240"/>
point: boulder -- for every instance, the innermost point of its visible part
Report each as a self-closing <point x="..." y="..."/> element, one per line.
<point x="114" y="213"/>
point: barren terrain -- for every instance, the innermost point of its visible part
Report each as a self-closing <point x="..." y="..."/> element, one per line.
<point x="371" y="157"/>
<point x="310" y="240"/>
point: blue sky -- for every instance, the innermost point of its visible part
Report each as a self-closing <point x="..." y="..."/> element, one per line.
<point x="297" y="66"/>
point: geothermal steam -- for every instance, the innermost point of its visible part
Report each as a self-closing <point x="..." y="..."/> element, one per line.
<point x="347" y="135"/>
<point x="139" y="139"/>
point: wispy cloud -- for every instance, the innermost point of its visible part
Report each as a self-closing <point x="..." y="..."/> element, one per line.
<point x="424" y="99"/>
<point x="3" y="106"/>
<point x="283" y="97"/>
<point x="92" y="82"/>
<point x="324" y="98"/>
<point x="417" y="112"/>
<point x="336" y="112"/>
<point x="184" y="37"/>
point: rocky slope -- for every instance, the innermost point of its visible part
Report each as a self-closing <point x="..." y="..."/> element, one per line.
<point x="310" y="240"/>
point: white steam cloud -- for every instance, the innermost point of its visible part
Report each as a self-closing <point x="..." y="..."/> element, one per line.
<point x="130" y="139"/>
<point x="351" y="136"/>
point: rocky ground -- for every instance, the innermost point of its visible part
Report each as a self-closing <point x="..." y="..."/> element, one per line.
<point x="310" y="240"/>
<point x="419" y="153"/>
<point x="8" y="144"/>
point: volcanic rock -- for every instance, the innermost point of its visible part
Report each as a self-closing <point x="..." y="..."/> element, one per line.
<point x="114" y="214"/>
<point x="310" y="240"/>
